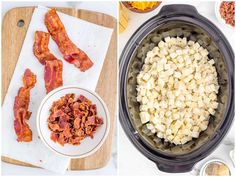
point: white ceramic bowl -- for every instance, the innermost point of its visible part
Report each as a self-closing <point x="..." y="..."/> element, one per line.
<point x="204" y="166"/>
<point x="218" y="16"/>
<point x="88" y="146"/>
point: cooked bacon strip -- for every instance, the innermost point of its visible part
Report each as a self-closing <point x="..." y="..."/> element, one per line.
<point x="53" y="66"/>
<point x="53" y="75"/>
<point x="70" y="52"/>
<point x="21" y="106"/>
<point x="40" y="47"/>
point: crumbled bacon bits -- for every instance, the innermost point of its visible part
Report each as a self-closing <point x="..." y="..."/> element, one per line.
<point x="227" y="12"/>
<point x="73" y="118"/>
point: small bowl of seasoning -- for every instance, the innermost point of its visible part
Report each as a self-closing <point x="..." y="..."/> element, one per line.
<point x="225" y="13"/>
<point x="215" y="167"/>
<point x="141" y="6"/>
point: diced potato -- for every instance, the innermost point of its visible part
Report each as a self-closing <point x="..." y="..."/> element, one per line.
<point x="177" y="90"/>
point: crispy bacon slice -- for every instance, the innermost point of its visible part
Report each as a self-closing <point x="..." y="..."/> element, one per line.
<point x="53" y="66"/>
<point x="53" y="75"/>
<point x="21" y="106"/>
<point x="70" y="52"/>
<point x="40" y="47"/>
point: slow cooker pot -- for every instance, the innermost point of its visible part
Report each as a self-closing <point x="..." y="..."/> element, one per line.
<point x="183" y="21"/>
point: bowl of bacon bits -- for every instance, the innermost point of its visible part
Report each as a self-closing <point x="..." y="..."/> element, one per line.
<point x="225" y="13"/>
<point x="73" y="121"/>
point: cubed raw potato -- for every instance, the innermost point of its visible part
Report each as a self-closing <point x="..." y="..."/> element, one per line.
<point x="177" y="90"/>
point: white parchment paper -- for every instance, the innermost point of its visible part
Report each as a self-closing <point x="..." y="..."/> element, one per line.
<point x="91" y="38"/>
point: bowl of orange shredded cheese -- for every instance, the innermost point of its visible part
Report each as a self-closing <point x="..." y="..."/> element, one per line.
<point x="141" y="6"/>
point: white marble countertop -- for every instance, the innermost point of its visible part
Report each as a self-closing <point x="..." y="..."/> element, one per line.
<point x="109" y="8"/>
<point x="130" y="160"/>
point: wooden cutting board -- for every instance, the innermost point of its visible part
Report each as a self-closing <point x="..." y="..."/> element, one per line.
<point x="14" y="28"/>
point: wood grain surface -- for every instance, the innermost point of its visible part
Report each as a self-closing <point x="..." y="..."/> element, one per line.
<point x="12" y="39"/>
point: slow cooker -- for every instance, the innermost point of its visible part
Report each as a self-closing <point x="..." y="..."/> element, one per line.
<point x="182" y="21"/>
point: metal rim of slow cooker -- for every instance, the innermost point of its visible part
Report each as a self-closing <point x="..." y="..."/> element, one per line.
<point x="130" y="131"/>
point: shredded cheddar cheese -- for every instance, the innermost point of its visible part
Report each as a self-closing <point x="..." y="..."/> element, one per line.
<point x="141" y="5"/>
